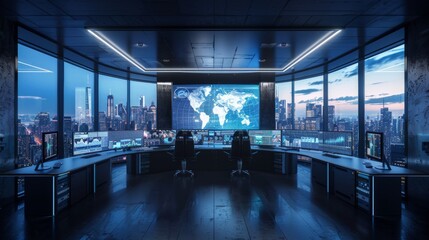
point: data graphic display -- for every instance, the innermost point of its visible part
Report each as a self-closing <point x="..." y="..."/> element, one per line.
<point x="301" y="139"/>
<point x="216" y="106"/>
<point x="337" y="142"/>
<point x="159" y="137"/>
<point x="125" y="139"/>
<point x="265" y="137"/>
<point x="90" y="142"/>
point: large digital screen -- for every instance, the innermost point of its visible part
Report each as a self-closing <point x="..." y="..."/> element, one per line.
<point x="89" y="142"/>
<point x="337" y="142"/>
<point x="374" y="145"/>
<point x="125" y="139"/>
<point x="265" y="137"/>
<point x="301" y="139"/>
<point x="215" y="106"/>
<point x="159" y="137"/>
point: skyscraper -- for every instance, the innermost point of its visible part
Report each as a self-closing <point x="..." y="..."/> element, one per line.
<point x="110" y="107"/>
<point x="88" y="106"/>
<point x="79" y="104"/>
<point x="142" y="101"/>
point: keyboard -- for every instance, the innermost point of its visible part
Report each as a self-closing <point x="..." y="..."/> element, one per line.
<point x="91" y="155"/>
<point x="57" y="164"/>
<point x="330" y="155"/>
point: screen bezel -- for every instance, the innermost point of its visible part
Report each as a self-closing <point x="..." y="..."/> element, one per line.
<point x="202" y="84"/>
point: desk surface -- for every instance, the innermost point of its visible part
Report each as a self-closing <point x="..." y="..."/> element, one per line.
<point x="77" y="162"/>
<point x="356" y="164"/>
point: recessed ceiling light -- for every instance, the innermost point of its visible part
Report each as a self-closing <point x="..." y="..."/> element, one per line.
<point x="262" y="60"/>
<point x="283" y="45"/>
<point x="166" y="60"/>
<point x="140" y="45"/>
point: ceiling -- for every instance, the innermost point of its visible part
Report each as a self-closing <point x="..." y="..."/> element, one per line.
<point x="212" y="34"/>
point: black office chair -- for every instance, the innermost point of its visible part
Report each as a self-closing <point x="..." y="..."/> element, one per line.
<point x="184" y="151"/>
<point x="240" y="151"/>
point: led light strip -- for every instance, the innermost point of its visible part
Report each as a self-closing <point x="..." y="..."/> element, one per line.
<point x="115" y="48"/>
<point x="313" y="48"/>
<point x="288" y="66"/>
<point x="41" y="70"/>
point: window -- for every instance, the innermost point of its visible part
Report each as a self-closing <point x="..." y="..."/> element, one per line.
<point x="143" y="105"/>
<point x="112" y="104"/>
<point x="384" y="101"/>
<point x="37" y="102"/>
<point x="343" y="102"/>
<point x="284" y="107"/>
<point x="309" y="103"/>
<point x="78" y="103"/>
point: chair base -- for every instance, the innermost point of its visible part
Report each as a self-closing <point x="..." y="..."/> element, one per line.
<point x="240" y="172"/>
<point x="183" y="172"/>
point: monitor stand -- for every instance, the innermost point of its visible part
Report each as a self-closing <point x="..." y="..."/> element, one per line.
<point x="383" y="166"/>
<point x="40" y="167"/>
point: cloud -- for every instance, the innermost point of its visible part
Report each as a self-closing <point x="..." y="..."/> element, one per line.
<point x="32" y="97"/>
<point x="399" y="98"/>
<point x="352" y="72"/>
<point x="307" y="91"/>
<point x="376" y="83"/>
<point x="345" y="98"/>
<point x="311" y="100"/>
<point x="336" y="80"/>
<point x="316" y="83"/>
<point x="375" y="63"/>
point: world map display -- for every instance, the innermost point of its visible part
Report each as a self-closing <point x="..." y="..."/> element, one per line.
<point x="216" y="106"/>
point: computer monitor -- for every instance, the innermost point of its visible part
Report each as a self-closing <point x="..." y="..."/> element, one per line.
<point x="90" y="142"/>
<point x="159" y="138"/>
<point x="200" y="136"/>
<point x="301" y="139"/>
<point x="125" y="139"/>
<point x="340" y="142"/>
<point x="227" y="136"/>
<point x="265" y="137"/>
<point x="49" y="149"/>
<point x="374" y="148"/>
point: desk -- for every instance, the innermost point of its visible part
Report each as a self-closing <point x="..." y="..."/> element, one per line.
<point x="377" y="191"/>
<point x="48" y="192"/>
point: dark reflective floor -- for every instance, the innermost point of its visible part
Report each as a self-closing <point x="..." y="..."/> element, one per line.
<point x="213" y="206"/>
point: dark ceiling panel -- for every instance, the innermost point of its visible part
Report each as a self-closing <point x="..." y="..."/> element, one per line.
<point x="242" y="33"/>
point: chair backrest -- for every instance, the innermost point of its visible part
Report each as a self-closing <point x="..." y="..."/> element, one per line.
<point x="189" y="145"/>
<point x="246" y="151"/>
<point x="179" y="146"/>
<point x="236" y="145"/>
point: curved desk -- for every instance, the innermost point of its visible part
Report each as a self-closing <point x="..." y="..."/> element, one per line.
<point x="49" y="191"/>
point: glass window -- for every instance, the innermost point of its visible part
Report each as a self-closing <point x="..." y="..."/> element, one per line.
<point x="37" y="102"/>
<point x="78" y="103"/>
<point x="309" y="103"/>
<point x="283" y="104"/>
<point x="343" y="102"/>
<point x="384" y="101"/>
<point x="112" y="104"/>
<point x="143" y="105"/>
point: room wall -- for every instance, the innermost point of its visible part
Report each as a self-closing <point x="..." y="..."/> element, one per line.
<point x="417" y="52"/>
<point x="7" y="116"/>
